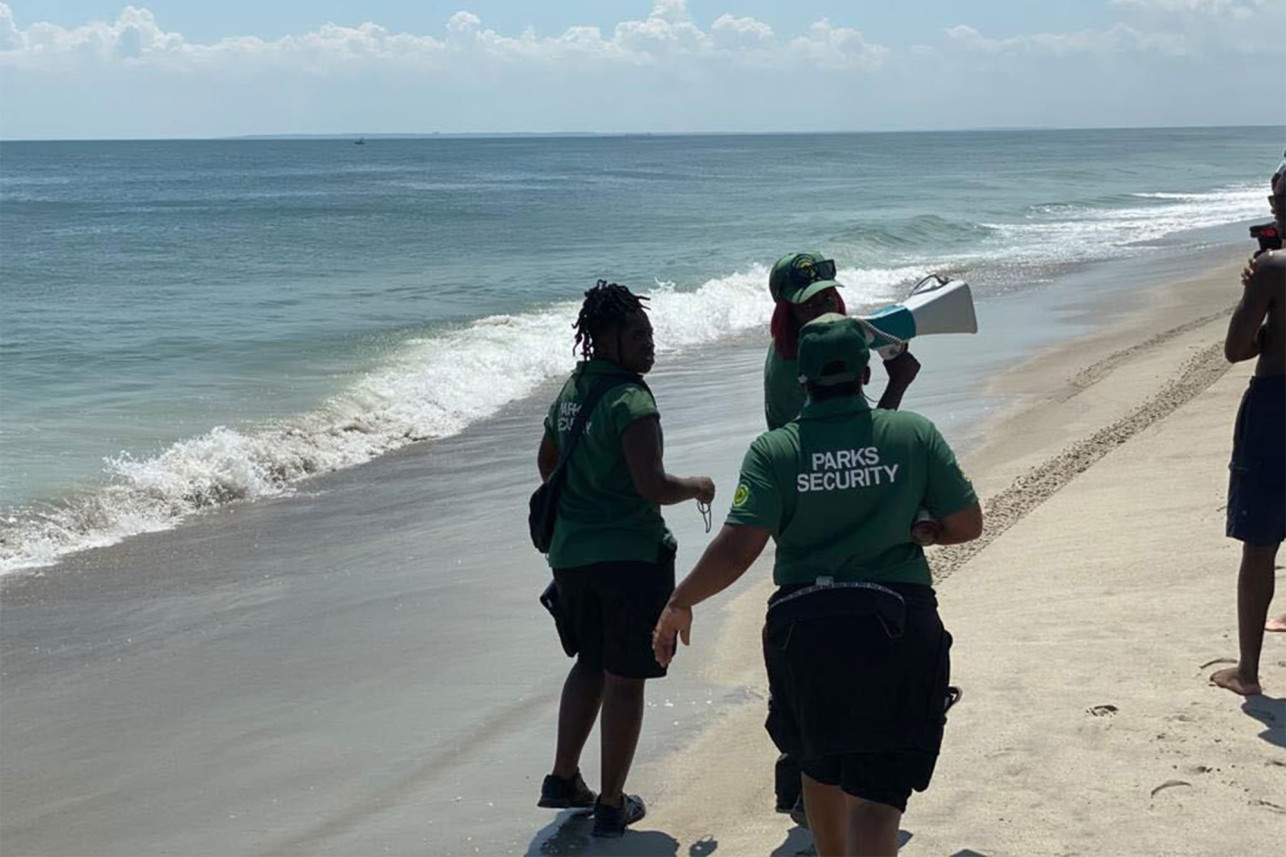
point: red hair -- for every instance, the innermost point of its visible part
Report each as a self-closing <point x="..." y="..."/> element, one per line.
<point x="785" y="333"/>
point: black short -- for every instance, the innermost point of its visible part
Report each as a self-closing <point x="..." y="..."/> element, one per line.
<point x="610" y="610"/>
<point x="1257" y="472"/>
<point x="886" y="778"/>
<point x="858" y="688"/>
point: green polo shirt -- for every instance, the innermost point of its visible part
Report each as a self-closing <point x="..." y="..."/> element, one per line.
<point x="783" y="394"/>
<point x="840" y="487"/>
<point x="601" y="517"/>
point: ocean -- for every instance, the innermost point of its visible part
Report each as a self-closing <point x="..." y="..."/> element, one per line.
<point x="186" y="325"/>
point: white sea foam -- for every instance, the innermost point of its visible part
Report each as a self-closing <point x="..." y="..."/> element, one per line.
<point x="431" y="387"/>
<point x="1072" y="233"/>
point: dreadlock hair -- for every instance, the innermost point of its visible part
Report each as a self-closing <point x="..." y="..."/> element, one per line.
<point x="785" y="332"/>
<point x="606" y="306"/>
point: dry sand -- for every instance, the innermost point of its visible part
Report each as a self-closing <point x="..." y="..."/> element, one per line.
<point x="1086" y="621"/>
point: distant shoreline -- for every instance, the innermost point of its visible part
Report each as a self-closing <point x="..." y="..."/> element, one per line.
<point x="485" y="135"/>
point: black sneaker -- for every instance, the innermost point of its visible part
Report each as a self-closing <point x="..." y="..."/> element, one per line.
<point x="565" y="793"/>
<point x="611" y="821"/>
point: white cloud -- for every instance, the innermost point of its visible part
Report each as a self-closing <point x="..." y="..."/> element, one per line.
<point x="1120" y="38"/>
<point x="668" y="31"/>
<point x="742" y="27"/>
<point x="838" y="48"/>
<point x="464" y="22"/>
<point x="1204" y="7"/>
<point x="1196" y="29"/>
<point x="664" y="71"/>
<point x="134" y="35"/>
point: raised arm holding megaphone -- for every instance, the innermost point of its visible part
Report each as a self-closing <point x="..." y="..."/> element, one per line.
<point x="803" y="285"/>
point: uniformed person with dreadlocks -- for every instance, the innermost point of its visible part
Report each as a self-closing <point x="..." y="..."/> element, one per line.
<point x="612" y="554"/>
<point x="857" y="658"/>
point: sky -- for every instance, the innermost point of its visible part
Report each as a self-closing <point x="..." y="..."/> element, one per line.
<point x="77" y="69"/>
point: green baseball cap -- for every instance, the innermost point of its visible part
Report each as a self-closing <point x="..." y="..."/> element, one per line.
<point x="832" y="350"/>
<point x="798" y="276"/>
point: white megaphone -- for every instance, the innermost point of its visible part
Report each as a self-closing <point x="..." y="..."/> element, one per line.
<point x="935" y="305"/>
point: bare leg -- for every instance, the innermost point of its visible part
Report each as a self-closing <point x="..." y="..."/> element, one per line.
<point x="872" y="828"/>
<point x="577" y="711"/>
<point x="1255" y="584"/>
<point x="621" y="723"/>
<point x="827" y="817"/>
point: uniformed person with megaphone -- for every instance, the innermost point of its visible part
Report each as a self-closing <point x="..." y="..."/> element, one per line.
<point x="857" y="657"/>
<point x="803" y="287"/>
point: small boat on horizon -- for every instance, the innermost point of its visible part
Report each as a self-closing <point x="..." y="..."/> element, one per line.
<point x="360" y="141"/>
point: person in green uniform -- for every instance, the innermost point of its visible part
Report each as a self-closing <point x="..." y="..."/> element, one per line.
<point x="857" y="658"/>
<point x="612" y="554"/>
<point x="803" y="286"/>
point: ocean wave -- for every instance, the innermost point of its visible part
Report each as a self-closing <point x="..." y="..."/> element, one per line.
<point x="432" y="387"/>
<point x="914" y="234"/>
<point x="1105" y="228"/>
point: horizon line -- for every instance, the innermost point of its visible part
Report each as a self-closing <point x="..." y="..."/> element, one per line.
<point x="573" y="134"/>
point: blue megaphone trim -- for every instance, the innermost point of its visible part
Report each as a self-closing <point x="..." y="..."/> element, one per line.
<point x="896" y="321"/>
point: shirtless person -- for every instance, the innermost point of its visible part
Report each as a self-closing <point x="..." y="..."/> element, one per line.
<point x="1257" y="484"/>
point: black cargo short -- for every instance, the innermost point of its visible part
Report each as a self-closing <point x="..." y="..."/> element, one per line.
<point x="609" y="610"/>
<point x="858" y="680"/>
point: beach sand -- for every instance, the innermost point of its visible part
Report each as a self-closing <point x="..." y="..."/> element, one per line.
<point x="1085" y="621"/>
<point x="363" y="669"/>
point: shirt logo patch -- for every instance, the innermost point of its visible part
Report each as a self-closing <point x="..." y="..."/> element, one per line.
<point x="741" y="495"/>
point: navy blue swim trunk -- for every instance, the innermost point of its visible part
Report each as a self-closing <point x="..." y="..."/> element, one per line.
<point x="1257" y="472"/>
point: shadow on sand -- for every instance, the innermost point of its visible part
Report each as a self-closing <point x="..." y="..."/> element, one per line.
<point x="568" y="836"/>
<point x="799" y="843"/>
<point x="1270" y="711"/>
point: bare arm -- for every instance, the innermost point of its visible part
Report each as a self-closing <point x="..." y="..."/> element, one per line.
<point x="902" y="371"/>
<point x="1243" y="339"/>
<point x="962" y="526"/>
<point x="547" y="457"/>
<point x="641" y="442"/>
<point x="724" y="561"/>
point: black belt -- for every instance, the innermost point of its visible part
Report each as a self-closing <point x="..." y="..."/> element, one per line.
<point x="826" y="598"/>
